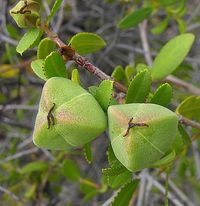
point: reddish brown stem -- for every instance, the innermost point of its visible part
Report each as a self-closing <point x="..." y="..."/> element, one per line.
<point x="68" y="54"/>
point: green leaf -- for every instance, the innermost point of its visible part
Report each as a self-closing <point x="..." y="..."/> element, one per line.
<point x="110" y="155"/>
<point x="133" y="19"/>
<point x="119" y="75"/>
<point x="162" y="95"/>
<point x="75" y="76"/>
<point x="13" y="33"/>
<point x="124" y="196"/>
<point x="190" y="108"/>
<point x="88" y="153"/>
<point x="93" y="90"/>
<point x="181" y="9"/>
<point x="181" y="25"/>
<point x="113" y="161"/>
<point x="70" y="170"/>
<point x="30" y="191"/>
<point x="117" y="181"/>
<point x="54" y="66"/>
<point x="54" y="9"/>
<point x="185" y="136"/>
<point x="165" y="160"/>
<point x="104" y="93"/>
<point x="161" y="26"/>
<point x="167" y="2"/>
<point x="86" y="43"/>
<point x="141" y="67"/>
<point x="139" y="87"/>
<point x="129" y="71"/>
<point x="28" y="40"/>
<point x="90" y="195"/>
<point x="171" y="55"/>
<point x="113" y="171"/>
<point x="88" y="190"/>
<point x="34" y="167"/>
<point x="38" y="68"/>
<point x="178" y="144"/>
<point x="45" y="47"/>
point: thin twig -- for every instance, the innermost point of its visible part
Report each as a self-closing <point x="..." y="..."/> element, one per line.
<point x="145" y="44"/>
<point x="153" y="53"/>
<point x="194" y="13"/>
<point x="189" y="122"/>
<point x="109" y="201"/>
<point x="20" y="154"/>
<point x="148" y="190"/>
<point x="160" y="187"/>
<point x="18" y="107"/>
<point x="12" y="195"/>
<point x="178" y="192"/>
<point x="80" y="60"/>
<point x="187" y="86"/>
<point x="196" y="158"/>
<point x="142" y="189"/>
<point x="8" y="40"/>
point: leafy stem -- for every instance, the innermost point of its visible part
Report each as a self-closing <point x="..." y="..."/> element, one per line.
<point x="83" y="62"/>
<point x="67" y="53"/>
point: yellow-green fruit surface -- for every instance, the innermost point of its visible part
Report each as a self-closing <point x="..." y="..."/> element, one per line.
<point x="78" y="116"/>
<point x="144" y="145"/>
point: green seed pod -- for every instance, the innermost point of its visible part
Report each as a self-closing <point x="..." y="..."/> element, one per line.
<point x="26" y="13"/>
<point x="141" y="134"/>
<point x="68" y="116"/>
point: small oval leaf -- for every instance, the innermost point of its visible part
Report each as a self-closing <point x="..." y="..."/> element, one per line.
<point x="45" y="47"/>
<point x="171" y="55"/>
<point x="38" y="68"/>
<point x="119" y="75"/>
<point x="139" y="87"/>
<point x="129" y="71"/>
<point x="117" y="181"/>
<point x="75" y="76"/>
<point x="162" y="95"/>
<point x="33" y="167"/>
<point x="54" y="9"/>
<point x="133" y="19"/>
<point x="113" y="161"/>
<point x="28" y="40"/>
<point x="158" y="29"/>
<point x="70" y="170"/>
<point x="104" y="93"/>
<point x="88" y="153"/>
<point x="113" y="171"/>
<point x="167" y="159"/>
<point x="125" y="195"/>
<point x="190" y="108"/>
<point x="54" y="66"/>
<point x="86" y="43"/>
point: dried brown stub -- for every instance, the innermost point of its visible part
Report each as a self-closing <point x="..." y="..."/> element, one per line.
<point x="131" y="125"/>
